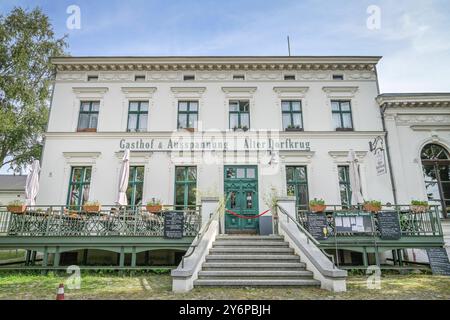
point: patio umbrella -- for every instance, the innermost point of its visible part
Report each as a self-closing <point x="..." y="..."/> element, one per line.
<point x="123" y="179"/>
<point x="355" y="181"/>
<point x="32" y="183"/>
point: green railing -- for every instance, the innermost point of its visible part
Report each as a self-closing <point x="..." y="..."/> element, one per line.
<point x="59" y="221"/>
<point x="425" y="224"/>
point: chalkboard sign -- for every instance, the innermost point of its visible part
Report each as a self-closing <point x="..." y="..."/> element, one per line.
<point x="439" y="261"/>
<point x="173" y="224"/>
<point x="389" y="225"/>
<point x="317" y="225"/>
<point x="353" y="222"/>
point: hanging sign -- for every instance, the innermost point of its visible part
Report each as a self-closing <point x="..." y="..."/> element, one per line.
<point x="380" y="162"/>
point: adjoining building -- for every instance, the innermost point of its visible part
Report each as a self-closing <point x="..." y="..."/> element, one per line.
<point x="244" y="129"/>
<point x="12" y="188"/>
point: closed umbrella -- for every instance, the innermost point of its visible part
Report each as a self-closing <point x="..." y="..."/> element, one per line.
<point x="355" y="181"/>
<point x="32" y="184"/>
<point x="123" y="179"/>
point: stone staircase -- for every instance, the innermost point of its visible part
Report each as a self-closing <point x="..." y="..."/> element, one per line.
<point x="238" y="260"/>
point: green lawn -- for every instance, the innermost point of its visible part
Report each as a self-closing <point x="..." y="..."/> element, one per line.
<point x="11" y="254"/>
<point x="153" y="286"/>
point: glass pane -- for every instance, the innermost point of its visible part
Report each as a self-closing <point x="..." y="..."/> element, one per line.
<point x="138" y="194"/>
<point x="142" y="122"/>
<point x="240" y="173"/>
<point x="345" y="106"/>
<point x="244" y="106"/>
<point x="233" y="200"/>
<point x="285" y="106"/>
<point x="432" y="191"/>
<point x="245" y="120"/>
<point x="132" y="122"/>
<point x="302" y="195"/>
<point x="83" y="122"/>
<point x="74" y="195"/>
<point x="140" y="174"/>
<point x="192" y="174"/>
<point x="87" y="175"/>
<point x="93" y="121"/>
<point x="144" y="106"/>
<point x="297" y="117"/>
<point x="347" y="118"/>
<point x="182" y="106"/>
<point x="300" y="173"/>
<point x="286" y="120"/>
<point x="444" y="173"/>
<point x="95" y="106"/>
<point x="85" y="196"/>
<point x="342" y="174"/>
<point x="289" y="173"/>
<point x="191" y="195"/>
<point x="192" y="123"/>
<point x="251" y="173"/>
<point x="249" y="200"/>
<point x="337" y="120"/>
<point x="85" y="106"/>
<point x="129" y="194"/>
<point x="446" y="190"/>
<point x="234" y="106"/>
<point x="179" y="194"/>
<point x="234" y="120"/>
<point x="179" y="174"/>
<point x="296" y="106"/>
<point x="230" y="173"/>
<point x="334" y="105"/>
<point x="77" y="174"/>
<point x="193" y="106"/>
<point x="429" y="173"/>
<point x="182" y="120"/>
<point x="291" y="190"/>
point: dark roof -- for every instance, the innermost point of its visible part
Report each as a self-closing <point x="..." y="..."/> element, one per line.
<point x="12" y="183"/>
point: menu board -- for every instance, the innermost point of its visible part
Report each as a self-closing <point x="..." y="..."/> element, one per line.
<point x="353" y="222"/>
<point x="317" y="225"/>
<point x="389" y="225"/>
<point x="173" y="224"/>
<point x="439" y="261"/>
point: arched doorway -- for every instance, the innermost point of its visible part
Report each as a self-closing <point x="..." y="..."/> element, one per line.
<point x="436" y="170"/>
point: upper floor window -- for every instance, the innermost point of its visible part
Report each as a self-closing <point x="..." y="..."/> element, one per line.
<point x="342" y="115"/>
<point x="92" y="78"/>
<point x="238" y="77"/>
<point x="137" y="116"/>
<point x="338" y="77"/>
<point x="239" y="117"/>
<point x="88" y="118"/>
<point x="292" y="115"/>
<point x="188" y="77"/>
<point x="187" y="114"/>
<point x="139" y="78"/>
<point x="289" y="77"/>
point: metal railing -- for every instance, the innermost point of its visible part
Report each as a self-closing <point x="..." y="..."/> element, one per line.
<point x="309" y="237"/>
<point x="412" y="224"/>
<point x="108" y="221"/>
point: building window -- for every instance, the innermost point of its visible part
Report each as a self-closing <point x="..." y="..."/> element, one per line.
<point x="289" y="77"/>
<point x="189" y="77"/>
<point x="187" y="114"/>
<point x="135" y="186"/>
<point x="92" y="78"/>
<point x="344" y="186"/>
<point x="139" y="78"/>
<point x="338" y="77"/>
<point x="292" y="115"/>
<point x="79" y="185"/>
<point x="239" y="117"/>
<point x="297" y="185"/>
<point x="137" y="116"/>
<point x="185" y="187"/>
<point x="342" y="115"/>
<point x="88" y="117"/>
<point x="238" y="77"/>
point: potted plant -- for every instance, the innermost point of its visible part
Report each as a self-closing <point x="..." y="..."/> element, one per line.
<point x="418" y="206"/>
<point x="190" y="129"/>
<point x="92" y="206"/>
<point x="294" y="128"/>
<point x="317" y="205"/>
<point x="154" y="206"/>
<point x="240" y="128"/>
<point x="372" y="206"/>
<point x="17" y="207"/>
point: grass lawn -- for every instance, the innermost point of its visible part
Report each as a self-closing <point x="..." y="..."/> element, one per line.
<point x="158" y="286"/>
<point x="11" y="254"/>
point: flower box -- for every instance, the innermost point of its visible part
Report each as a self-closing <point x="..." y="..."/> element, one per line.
<point x="92" y="208"/>
<point x="17" y="209"/>
<point x="318" y="208"/>
<point x="154" y="208"/>
<point x="417" y="209"/>
<point x="371" y="207"/>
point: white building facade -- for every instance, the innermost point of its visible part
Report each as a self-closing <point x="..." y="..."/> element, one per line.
<point x="243" y="127"/>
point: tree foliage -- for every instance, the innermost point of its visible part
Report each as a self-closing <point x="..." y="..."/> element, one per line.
<point x="27" y="42"/>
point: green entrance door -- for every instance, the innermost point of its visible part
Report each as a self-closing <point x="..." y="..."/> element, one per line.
<point x="241" y="190"/>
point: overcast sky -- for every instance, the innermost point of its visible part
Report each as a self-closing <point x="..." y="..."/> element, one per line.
<point x="413" y="38"/>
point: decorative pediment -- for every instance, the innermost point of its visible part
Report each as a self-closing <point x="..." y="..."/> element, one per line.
<point x="136" y="157"/>
<point x="291" y="92"/>
<point x="234" y="92"/>
<point x="341" y="156"/>
<point x="138" y="92"/>
<point x="81" y="157"/>
<point x="90" y="92"/>
<point x="340" y="92"/>
<point x="188" y="92"/>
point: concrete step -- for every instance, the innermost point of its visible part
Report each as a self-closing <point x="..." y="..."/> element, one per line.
<point x="257" y="282"/>
<point x="247" y="243"/>
<point x="239" y="274"/>
<point x="249" y="237"/>
<point x="253" y="257"/>
<point x="267" y="266"/>
<point x="250" y="251"/>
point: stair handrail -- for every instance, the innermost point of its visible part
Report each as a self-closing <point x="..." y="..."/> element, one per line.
<point x="199" y="235"/>
<point x="309" y="237"/>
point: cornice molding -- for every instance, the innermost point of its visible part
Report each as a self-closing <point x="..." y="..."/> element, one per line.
<point x="231" y="90"/>
<point x="341" y="156"/>
<point x="340" y="89"/>
<point x="90" y="90"/>
<point x="295" y="90"/>
<point x="139" y="90"/>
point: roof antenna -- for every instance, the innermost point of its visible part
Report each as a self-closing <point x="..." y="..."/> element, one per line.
<point x="289" y="46"/>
